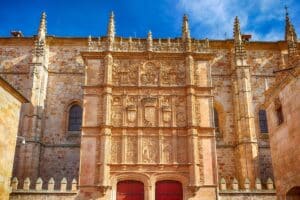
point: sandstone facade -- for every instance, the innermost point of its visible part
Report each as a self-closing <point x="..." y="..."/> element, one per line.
<point x="10" y="106"/>
<point x="148" y="110"/>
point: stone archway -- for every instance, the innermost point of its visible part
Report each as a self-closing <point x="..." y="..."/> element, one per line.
<point x="168" y="190"/>
<point x="130" y="190"/>
<point x="293" y="193"/>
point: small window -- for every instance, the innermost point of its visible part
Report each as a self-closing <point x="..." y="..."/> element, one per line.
<point x="216" y="121"/>
<point x="278" y="111"/>
<point x="263" y="123"/>
<point x="75" y="118"/>
<point x="279" y="114"/>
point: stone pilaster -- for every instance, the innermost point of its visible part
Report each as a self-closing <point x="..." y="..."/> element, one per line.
<point x="33" y="112"/>
<point x="247" y="148"/>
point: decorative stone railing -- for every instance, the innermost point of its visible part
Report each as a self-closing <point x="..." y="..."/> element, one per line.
<point x="37" y="186"/>
<point x="140" y="45"/>
<point x="234" y="185"/>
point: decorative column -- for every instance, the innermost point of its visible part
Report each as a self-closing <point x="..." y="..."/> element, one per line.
<point x="193" y="154"/>
<point x="247" y="148"/>
<point x="105" y="141"/>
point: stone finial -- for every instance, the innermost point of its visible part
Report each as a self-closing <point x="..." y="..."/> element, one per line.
<point x="111" y="27"/>
<point x="74" y="185"/>
<point x="26" y="185"/>
<point x="51" y="184"/>
<point x="258" y="184"/>
<point x="235" y="184"/>
<point x="41" y="38"/>
<point x="247" y="184"/>
<point x="42" y="32"/>
<point x="185" y="28"/>
<point x="149" y="41"/>
<point x="270" y="184"/>
<point x="63" y="184"/>
<point x="290" y="34"/>
<point x="14" y="183"/>
<point x="39" y="184"/>
<point x="240" y="52"/>
<point x="90" y="43"/>
<point x="223" y="184"/>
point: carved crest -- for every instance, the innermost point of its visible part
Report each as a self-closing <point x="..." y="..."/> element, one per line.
<point x="131" y="113"/>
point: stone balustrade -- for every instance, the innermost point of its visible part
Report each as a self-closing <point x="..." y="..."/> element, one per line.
<point x="37" y="186"/>
<point x="234" y="185"/>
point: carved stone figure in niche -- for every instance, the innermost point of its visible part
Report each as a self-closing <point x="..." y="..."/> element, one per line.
<point x="149" y="74"/>
<point x="149" y="150"/>
<point x="167" y="150"/>
<point x="131" y="154"/>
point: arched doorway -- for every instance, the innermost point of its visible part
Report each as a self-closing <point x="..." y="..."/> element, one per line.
<point x="168" y="190"/>
<point x="130" y="190"/>
<point x="293" y="194"/>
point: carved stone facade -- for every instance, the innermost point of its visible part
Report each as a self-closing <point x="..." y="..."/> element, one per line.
<point x="152" y="123"/>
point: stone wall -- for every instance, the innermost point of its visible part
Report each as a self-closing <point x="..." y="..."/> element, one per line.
<point x="284" y="137"/>
<point x="9" y="120"/>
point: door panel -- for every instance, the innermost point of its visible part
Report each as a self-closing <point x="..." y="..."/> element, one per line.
<point x="130" y="190"/>
<point x="168" y="190"/>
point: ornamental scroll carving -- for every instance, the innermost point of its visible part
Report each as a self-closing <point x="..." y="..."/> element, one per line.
<point x="125" y="72"/>
<point x="180" y="111"/>
<point x="149" y="74"/>
<point x="116" y="151"/>
<point x="173" y="73"/>
<point x="117" y="114"/>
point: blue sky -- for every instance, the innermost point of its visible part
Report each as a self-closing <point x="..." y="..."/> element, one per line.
<point x="212" y="19"/>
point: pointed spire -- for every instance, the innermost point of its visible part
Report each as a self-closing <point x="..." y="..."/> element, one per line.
<point x="240" y="52"/>
<point x="111" y="27"/>
<point x="237" y="31"/>
<point x="149" y="41"/>
<point x="185" y="28"/>
<point x="42" y="32"/>
<point x="290" y="34"/>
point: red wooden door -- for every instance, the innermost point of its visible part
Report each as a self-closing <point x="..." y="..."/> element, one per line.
<point x="168" y="190"/>
<point x="130" y="190"/>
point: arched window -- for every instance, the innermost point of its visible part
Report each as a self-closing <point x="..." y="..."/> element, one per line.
<point x="263" y="123"/>
<point x="216" y="121"/>
<point x="75" y="118"/>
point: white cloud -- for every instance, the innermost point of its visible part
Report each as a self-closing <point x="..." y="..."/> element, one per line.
<point x="218" y="16"/>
